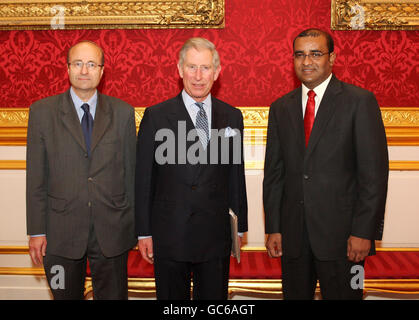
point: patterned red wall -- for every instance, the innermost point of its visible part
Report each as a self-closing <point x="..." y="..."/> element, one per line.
<point x="255" y="49"/>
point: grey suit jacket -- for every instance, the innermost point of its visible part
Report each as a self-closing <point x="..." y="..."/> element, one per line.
<point x="66" y="191"/>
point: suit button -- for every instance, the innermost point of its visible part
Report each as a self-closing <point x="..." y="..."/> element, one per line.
<point x="86" y="155"/>
<point x="306" y="177"/>
<point x="90" y="179"/>
<point x="302" y="202"/>
<point x="89" y="204"/>
<point x="194" y="187"/>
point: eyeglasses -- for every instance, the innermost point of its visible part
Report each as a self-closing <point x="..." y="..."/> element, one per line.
<point x="194" y="68"/>
<point x="89" y="65"/>
<point x="316" y="55"/>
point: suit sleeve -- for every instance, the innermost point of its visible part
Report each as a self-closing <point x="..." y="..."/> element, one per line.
<point x="129" y="158"/>
<point x="273" y="180"/>
<point x="144" y="175"/>
<point x="238" y="196"/>
<point x="372" y="170"/>
<point x="36" y="175"/>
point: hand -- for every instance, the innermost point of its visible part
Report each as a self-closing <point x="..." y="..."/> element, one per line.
<point x="358" y="248"/>
<point x="274" y="245"/>
<point x="37" y="249"/>
<point x="146" y="248"/>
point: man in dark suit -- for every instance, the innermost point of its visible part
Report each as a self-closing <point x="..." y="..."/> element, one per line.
<point x="325" y="179"/>
<point x="80" y="182"/>
<point x="184" y="193"/>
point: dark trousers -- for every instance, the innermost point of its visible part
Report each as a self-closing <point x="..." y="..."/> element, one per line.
<point x="300" y="275"/>
<point x="210" y="279"/>
<point x="66" y="277"/>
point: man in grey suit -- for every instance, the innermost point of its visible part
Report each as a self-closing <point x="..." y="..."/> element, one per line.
<point x="80" y="182"/>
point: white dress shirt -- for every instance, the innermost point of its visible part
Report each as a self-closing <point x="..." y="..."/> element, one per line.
<point x="319" y="91"/>
<point x="193" y="109"/>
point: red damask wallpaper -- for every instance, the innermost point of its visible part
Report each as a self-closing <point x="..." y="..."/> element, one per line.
<point x="255" y="49"/>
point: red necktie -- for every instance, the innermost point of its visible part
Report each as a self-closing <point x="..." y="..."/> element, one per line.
<point x="309" y="115"/>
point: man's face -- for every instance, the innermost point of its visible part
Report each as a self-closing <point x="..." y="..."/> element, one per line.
<point x="84" y="80"/>
<point x="198" y="73"/>
<point x="313" y="71"/>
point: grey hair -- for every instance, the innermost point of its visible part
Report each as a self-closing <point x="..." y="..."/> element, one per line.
<point x="198" y="44"/>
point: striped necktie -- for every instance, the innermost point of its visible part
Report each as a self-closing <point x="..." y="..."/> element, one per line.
<point x="202" y="124"/>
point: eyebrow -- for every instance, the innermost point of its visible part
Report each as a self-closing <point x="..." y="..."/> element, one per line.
<point x="79" y="60"/>
<point x="315" y="50"/>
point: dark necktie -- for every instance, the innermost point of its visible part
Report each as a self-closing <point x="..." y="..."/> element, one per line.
<point x="87" y="126"/>
<point x="309" y="115"/>
<point x="202" y="124"/>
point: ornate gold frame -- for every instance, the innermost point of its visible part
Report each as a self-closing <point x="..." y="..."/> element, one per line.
<point x="402" y="129"/>
<point x="395" y="165"/>
<point x="110" y="14"/>
<point x="402" y="125"/>
<point x="375" y="15"/>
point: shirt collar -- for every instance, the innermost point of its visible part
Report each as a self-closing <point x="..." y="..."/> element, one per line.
<point x="78" y="102"/>
<point x="319" y="90"/>
<point x="188" y="100"/>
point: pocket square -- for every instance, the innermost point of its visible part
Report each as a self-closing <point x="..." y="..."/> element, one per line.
<point x="229" y="132"/>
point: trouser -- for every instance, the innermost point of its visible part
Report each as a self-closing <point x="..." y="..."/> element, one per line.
<point x="66" y="277"/>
<point x="300" y="275"/>
<point x="210" y="279"/>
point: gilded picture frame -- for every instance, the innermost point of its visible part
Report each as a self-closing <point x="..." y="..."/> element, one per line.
<point x="401" y="125"/>
<point x="110" y="14"/>
<point x="374" y="15"/>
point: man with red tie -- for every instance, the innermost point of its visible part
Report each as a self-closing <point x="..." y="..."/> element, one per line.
<point x="326" y="174"/>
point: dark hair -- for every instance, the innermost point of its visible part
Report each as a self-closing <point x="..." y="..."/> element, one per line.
<point x="91" y="42"/>
<point x="317" y="33"/>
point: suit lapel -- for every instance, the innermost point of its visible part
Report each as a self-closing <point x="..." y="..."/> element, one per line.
<point x="326" y="110"/>
<point x="218" y="118"/>
<point x="179" y="113"/>
<point x="295" y="110"/>
<point x="71" y="120"/>
<point x="102" y="120"/>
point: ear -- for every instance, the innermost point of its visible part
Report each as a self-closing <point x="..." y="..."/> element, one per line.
<point x="180" y="69"/>
<point x="101" y="72"/>
<point x="332" y="58"/>
<point x="217" y="72"/>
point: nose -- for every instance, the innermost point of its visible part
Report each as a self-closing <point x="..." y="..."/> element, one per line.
<point x="198" y="74"/>
<point x="306" y="60"/>
<point x="84" y="69"/>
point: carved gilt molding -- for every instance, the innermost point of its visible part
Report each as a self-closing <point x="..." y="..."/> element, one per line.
<point x="395" y="165"/>
<point x="110" y="14"/>
<point x="402" y="125"/>
<point x="375" y="15"/>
